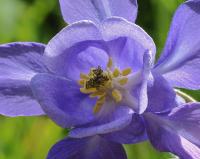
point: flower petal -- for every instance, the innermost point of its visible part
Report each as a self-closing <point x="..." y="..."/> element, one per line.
<point x="62" y="100"/>
<point x="163" y="138"/>
<point x="19" y="62"/>
<point x="86" y="148"/>
<point x="114" y="28"/>
<point x="83" y="45"/>
<point x="126" y="53"/>
<point x="180" y="61"/>
<point x="97" y="10"/>
<point x="185" y="119"/>
<point x="117" y="120"/>
<point x="138" y="98"/>
<point x="81" y="62"/>
<point x="161" y="96"/>
<point x="146" y="75"/>
<point x="133" y="133"/>
<point x="76" y="49"/>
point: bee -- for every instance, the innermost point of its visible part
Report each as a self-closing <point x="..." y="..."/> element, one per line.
<point x="98" y="79"/>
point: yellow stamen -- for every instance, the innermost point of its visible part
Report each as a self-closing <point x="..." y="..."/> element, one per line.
<point x="109" y="84"/>
<point x="95" y="94"/>
<point x="101" y="83"/>
<point x="83" y="76"/>
<point x="81" y="82"/>
<point x="91" y="72"/>
<point x="117" y="95"/>
<point x="110" y="63"/>
<point x="126" y="72"/>
<point x="90" y="90"/>
<point x="97" y="107"/>
<point x="123" y="81"/>
<point x="116" y="72"/>
<point x="99" y="104"/>
<point x="102" y="99"/>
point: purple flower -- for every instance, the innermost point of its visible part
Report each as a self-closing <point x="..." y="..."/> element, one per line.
<point x="176" y="131"/>
<point x="93" y="87"/>
<point x="97" y="77"/>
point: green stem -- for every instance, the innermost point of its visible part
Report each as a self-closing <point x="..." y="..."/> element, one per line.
<point x="185" y="96"/>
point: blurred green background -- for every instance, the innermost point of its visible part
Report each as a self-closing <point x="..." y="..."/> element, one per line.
<point x="40" y="20"/>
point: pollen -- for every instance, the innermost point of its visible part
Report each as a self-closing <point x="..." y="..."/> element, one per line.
<point x="84" y="76"/>
<point x="97" y="94"/>
<point x="100" y="102"/>
<point x="81" y="82"/>
<point x="110" y="63"/>
<point x="123" y="81"/>
<point x="117" y="95"/>
<point x="105" y="85"/>
<point x="91" y="90"/>
<point x="116" y="72"/>
<point x="126" y="72"/>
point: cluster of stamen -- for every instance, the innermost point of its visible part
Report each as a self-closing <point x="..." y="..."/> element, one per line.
<point x="104" y="83"/>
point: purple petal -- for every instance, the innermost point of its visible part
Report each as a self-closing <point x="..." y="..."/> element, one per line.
<point x="113" y="28"/>
<point x="163" y="138"/>
<point x="76" y="49"/>
<point x="97" y="10"/>
<point x="126" y="52"/>
<point x="83" y="45"/>
<point x="19" y="62"/>
<point x="185" y="119"/>
<point x="138" y="86"/>
<point x="86" y="148"/>
<point x="62" y="100"/>
<point x="115" y="121"/>
<point x="161" y="96"/>
<point x="143" y="96"/>
<point x="133" y="133"/>
<point x="180" y="61"/>
<point x="81" y="59"/>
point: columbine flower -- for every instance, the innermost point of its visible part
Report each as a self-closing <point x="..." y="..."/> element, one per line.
<point x="86" y="86"/>
<point x="177" y="130"/>
<point x="97" y="78"/>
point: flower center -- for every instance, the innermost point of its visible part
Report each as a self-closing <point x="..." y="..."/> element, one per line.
<point x="104" y="84"/>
